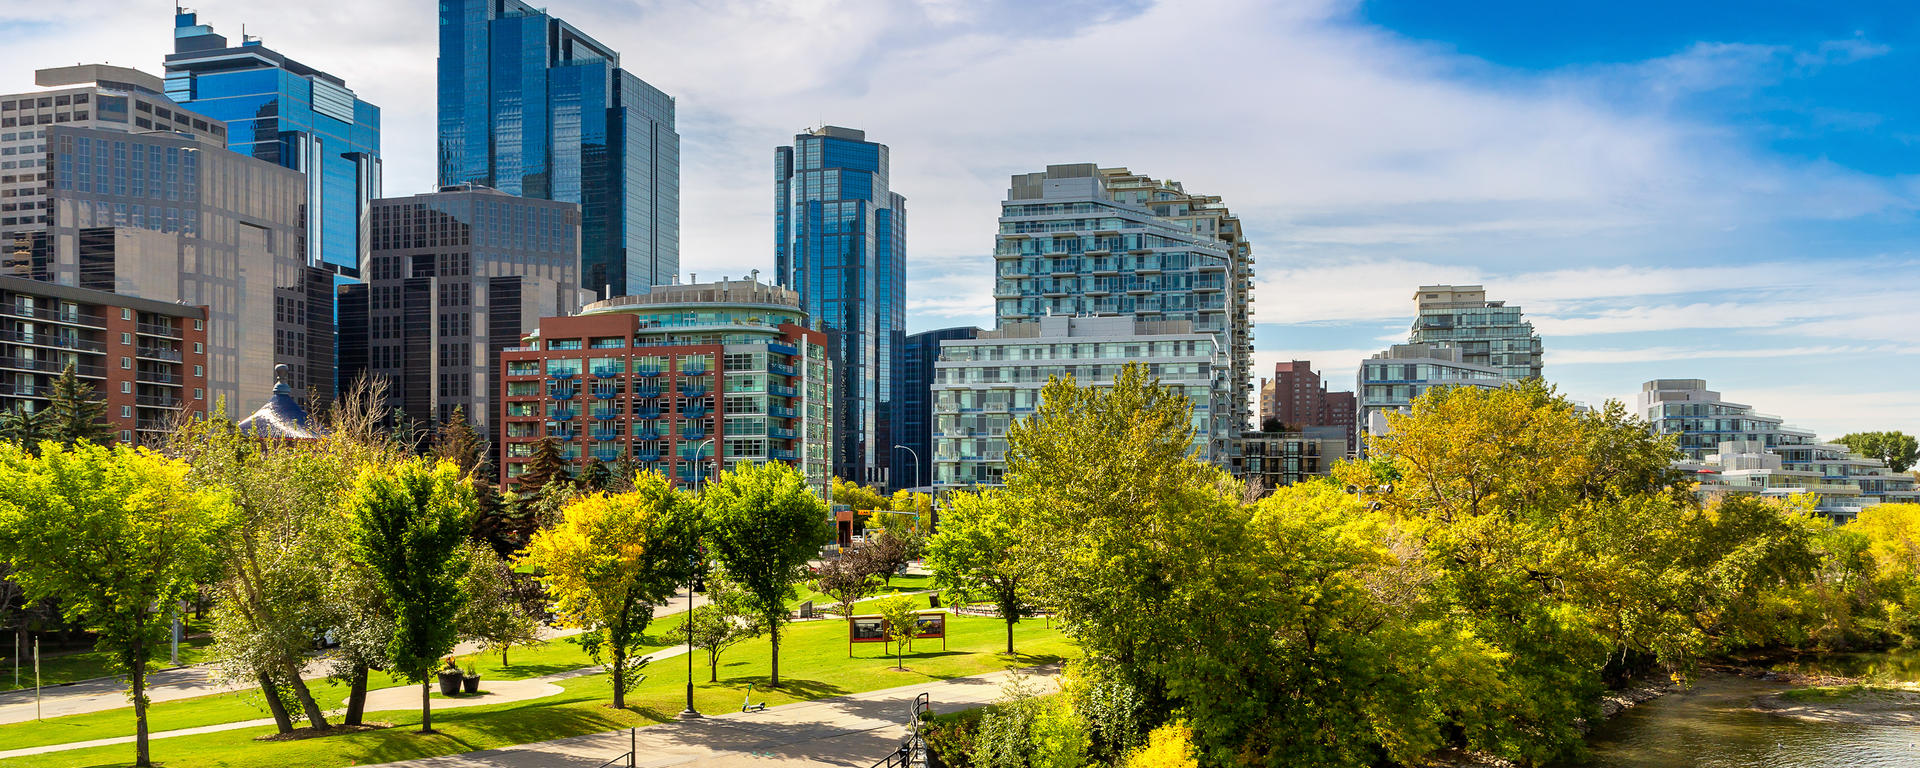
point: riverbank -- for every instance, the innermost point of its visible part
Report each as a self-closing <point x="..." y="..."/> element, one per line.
<point x="1854" y="704"/>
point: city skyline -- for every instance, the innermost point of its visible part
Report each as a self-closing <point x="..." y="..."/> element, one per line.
<point x="1669" y="204"/>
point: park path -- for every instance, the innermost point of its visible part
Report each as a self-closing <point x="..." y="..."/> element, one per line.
<point x="853" y="730"/>
<point x="402" y="697"/>
<point x="106" y="693"/>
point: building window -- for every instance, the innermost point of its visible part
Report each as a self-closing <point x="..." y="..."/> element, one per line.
<point x="126" y="363"/>
<point x="199" y="371"/>
<point x="126" y="387"/>
<point x="126" y="411"/>
<point x="199" y="325"/>
<point x="126" y="338"/>
<point x="198" y="348"/>
<point x="199" y="394"/>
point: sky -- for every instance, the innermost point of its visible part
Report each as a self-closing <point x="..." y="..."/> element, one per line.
<point x="1717" y="190"/>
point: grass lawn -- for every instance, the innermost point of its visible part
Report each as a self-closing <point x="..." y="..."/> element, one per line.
<point x="531" y="661"/>
<point x="903" y="583"/>
<point x="86" y="665"/>
<point x="814" y="665"/>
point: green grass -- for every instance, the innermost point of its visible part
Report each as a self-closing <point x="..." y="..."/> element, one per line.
<point x="814" y="665"/>
<point x="1832" y="693"/>
<point x="86" y="665"/>
<point x="906" y="583"/>
<point x="530" y="661"/>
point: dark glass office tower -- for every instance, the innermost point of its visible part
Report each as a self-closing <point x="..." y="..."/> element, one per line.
<point x="531" y="106"/>
<point x="287" y="113"/>
<point x="913" y="396"/>
<point x="840" y="239"/>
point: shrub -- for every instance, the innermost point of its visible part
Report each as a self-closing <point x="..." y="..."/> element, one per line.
<point x="1028" y="731"/>
<point x="1168" y="746"/>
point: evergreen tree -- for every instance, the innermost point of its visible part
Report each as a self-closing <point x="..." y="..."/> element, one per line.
<point x="26" y="428"/>
<point x="74" y="413"/>
<point x="594" y="477"/>
<point x="456" y="441"/>
<point x="545" y="467"/>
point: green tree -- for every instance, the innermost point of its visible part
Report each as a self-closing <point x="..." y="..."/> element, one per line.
<point x="118" y="535"/>
<point x="858" y="496"/>
<point x="498" y="612"/>
<point x="847" y="579"/>
<point x="595" y="477"/>
<point x="763" y="524"/>
<point x="609" y="561"/>
<point x="545" y="467"/>
<point x="897" y="612"/>
<point x="75" y="414"/>
<point x="1897" y="449"/>
<point x="974" y="553"/>
<point x="456" y="441"/>
<point x="727" y="619"/>
<point x="26" y="428"/>
<point x="407" y="527"/>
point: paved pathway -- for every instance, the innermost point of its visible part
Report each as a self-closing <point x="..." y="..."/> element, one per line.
<point x="854" y="730"/>
<point x="400" y="697"/>
<point x="188" y="682"/>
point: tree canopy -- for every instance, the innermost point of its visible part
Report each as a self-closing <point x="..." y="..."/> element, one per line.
<point x="1897" y="449"/>
<point x="763" y="524"/>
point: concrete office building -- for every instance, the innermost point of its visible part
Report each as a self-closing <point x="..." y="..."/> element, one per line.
<point x="172" y="218"/>
<point x="147" y="359"/>
<point x="532" y="106"/>
<point x="456" y="277"/>
<point x="982" y="385"/>
<point x="840" y="240"/>
<point x="913" y="396"/>
<point x="1487" y="333"/>
<point x="1731" y="448"/>
<point x="96" y="96"/>
<point x="1390" y="380"/>
<point x="686" y="380"/>
<point x="292" y="115"/>
<point x="1083" y="240"/>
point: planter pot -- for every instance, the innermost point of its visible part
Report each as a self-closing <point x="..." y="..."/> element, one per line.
<point x="471" y="683"/>
<point x="450" y="683"/>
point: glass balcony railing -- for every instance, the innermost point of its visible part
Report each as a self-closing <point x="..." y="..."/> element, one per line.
<point x="562" y="414"/>
<point x="646" y="412"/>
<point x="782" y="390"/>
<point x="604" y="434"/>
<point x="646" y="391"/>
<point x="781" y="369"/>
<point x="782" y="349"/>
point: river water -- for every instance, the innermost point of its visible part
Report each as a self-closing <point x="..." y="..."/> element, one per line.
<point x="1713" y="725"/>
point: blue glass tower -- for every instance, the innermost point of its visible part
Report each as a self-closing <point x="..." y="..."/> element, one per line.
<point x="531" y="106"/>
<point x="840" y="239"/>
<point x="279" y="110"/>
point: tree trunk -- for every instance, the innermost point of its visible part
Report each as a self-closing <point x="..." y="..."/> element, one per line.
<point x="426" y="705"/>
<point x="1011" y="618"/>
<point x="137" y="674"/>
<point x="713" y="668"/>
<point x="619" y="676"/>
<point x="356" y="695"/>
<point x="315" y="717"/>
<point x="774" y="627"/>
<point x="503" y="656"/>
<point x="281" y="720"/>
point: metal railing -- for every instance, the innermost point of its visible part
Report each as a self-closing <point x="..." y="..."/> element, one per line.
<point x="912" y="752"/>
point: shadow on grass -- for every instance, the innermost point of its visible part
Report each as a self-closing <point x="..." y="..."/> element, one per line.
<point x="524" y="671"/>
<point x="464" y="731"/>
<point x="793" y="686"/>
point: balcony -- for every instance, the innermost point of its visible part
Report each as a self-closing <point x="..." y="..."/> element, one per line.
<point x="606" y="454"/>
<point x="695" y="391"/>
<point x="563" y="434"/>
<point x="781" y="369"/>
<point x="156" y="377"/>
<point x="606" y="372"/>
<point x="647" y="371"/>
<point x="647" y="412"/>
<point x="46" y="313"/>
<point x="564" y="375"/>
<point x="155" y="329"/>
<point x="693" y="433"/>
<point x="50" y="366"/>
<point x="153" y="425"/>
<point x="781" y="454"/>
<point x="158" y="353"/>
<point x="51" y="340"/>
<point x="780" y="412"/>
<point x="606" y="393"/>
<point x="647" y="433"/>
<point x="779" y="348"/>
<point x="782" y="390"/>
<point x="646" y="456"/>
<point x="157" y="401"/>
<point x="693" y="412"/>
<point x="561" y="414"/>
<point x="562" y="392"/>
<point x="606" y="414"/>
<point x="780" y="433"/>
<point x="646" y="390"/>
<point x="696" y="369"/>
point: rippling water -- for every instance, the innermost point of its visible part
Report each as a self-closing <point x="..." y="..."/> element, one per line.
<point x="1713" y="725"/>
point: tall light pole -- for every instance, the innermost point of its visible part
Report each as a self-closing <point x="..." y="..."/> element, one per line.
<point x="916" y="462"/>
<point x="693" y="562"/>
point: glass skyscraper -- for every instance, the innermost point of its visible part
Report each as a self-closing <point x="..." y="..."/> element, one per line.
<point x="533" y="107"/>
<point x="840" y="239"/>
<point x="287" y="113"/>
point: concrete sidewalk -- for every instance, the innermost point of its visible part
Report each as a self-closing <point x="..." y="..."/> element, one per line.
<point x="106" y="693"/>
<point x="854" y="730"/>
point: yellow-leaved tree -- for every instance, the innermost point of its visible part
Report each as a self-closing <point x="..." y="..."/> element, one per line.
<point x="609" y="561"/>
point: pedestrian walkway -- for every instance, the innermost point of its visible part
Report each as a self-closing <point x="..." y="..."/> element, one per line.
<point x="852" y="730"/>
<point x="401" y="697"/>
<point x="104" y="693"/>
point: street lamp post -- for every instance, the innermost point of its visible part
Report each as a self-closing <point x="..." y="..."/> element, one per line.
<point x="916" y="462"/>
<point x="693" y="568"/>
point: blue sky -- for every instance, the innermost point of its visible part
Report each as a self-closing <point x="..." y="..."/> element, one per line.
<point x="1706" y="189"/>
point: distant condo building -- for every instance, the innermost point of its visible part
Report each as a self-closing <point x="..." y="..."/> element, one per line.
<point x="284" y="112"/>
<point x="532" y="106"/>
<point x="1080" y="240"/>
<point x="456" y="277"/>
<point x="840" y="241"/>
<point x="913" y="390"/>
<point x="96" y="96"/>
<point x="982" y="385"/>
<point x="1297" y="398"/>
<point x="1279" y="459"/>
<point x="1389" y="381"/>
<point x="145" y="359"/>
<point x="1487" y="332"/>
<point x="1731" y="448"/>
<point x="685" y="379"/>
